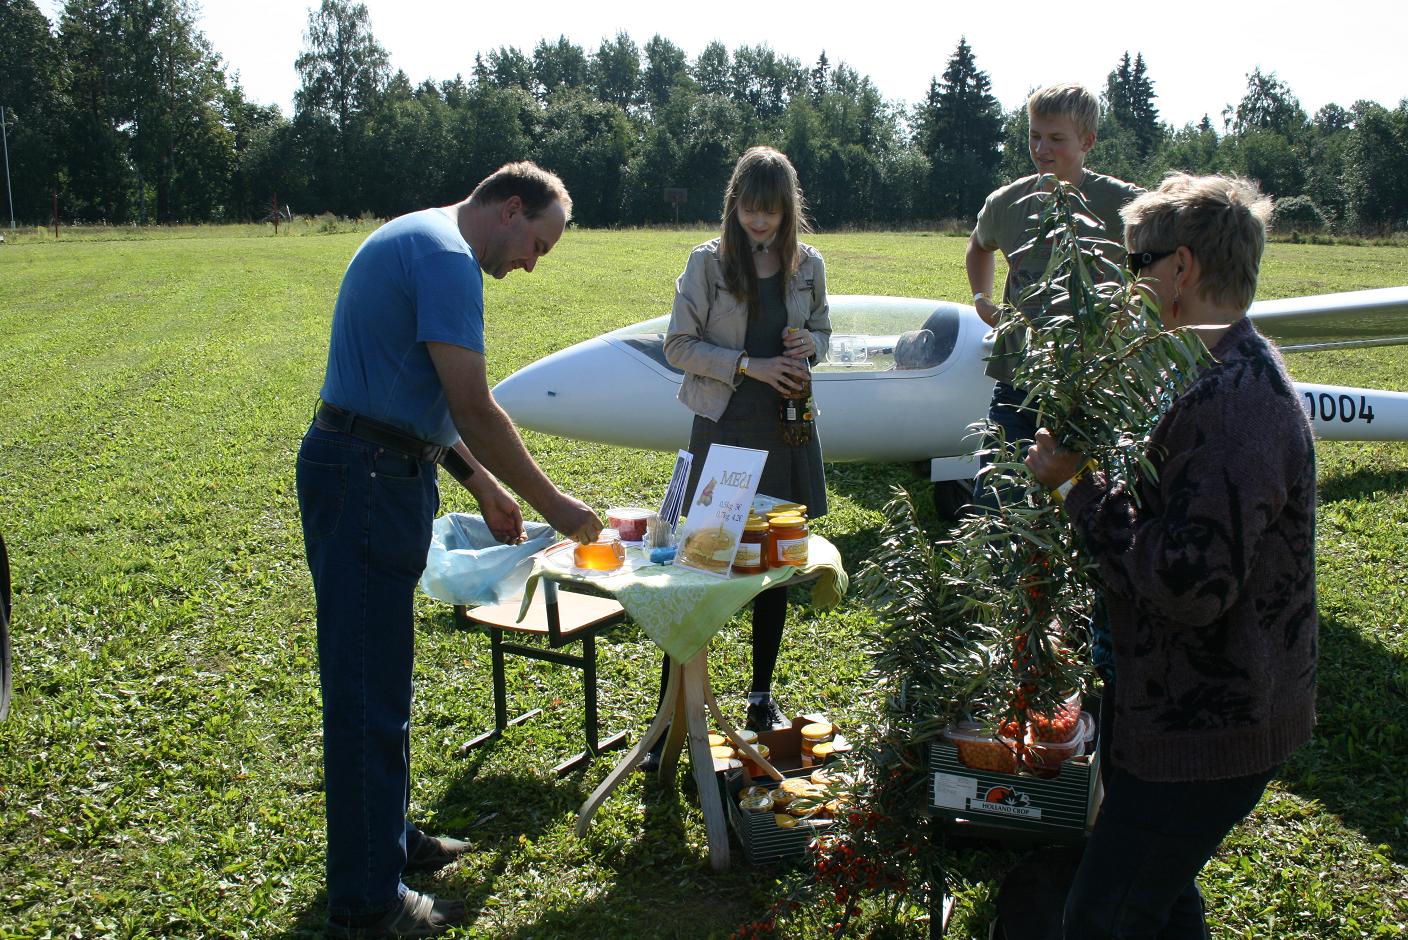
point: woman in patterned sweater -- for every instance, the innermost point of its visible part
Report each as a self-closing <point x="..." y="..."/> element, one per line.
<point x="1208" y="577"/>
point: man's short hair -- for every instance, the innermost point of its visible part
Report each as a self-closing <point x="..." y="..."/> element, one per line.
<point x="532" y="184"/>
<point x="1068" y="99"/>
<point x="1220" y="219"/>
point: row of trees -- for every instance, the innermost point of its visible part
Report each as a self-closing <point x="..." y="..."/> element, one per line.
<point x="126" y="113"/>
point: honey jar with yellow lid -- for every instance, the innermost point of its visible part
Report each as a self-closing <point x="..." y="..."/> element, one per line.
<point x="818" y="754"/>
<point x="787" y="540"/>
<point x="750" y="558"/>
<point x="751" y="767"/>
<point x="758" y="803"/>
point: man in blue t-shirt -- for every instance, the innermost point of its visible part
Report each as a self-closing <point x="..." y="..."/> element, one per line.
<point x="406" y="387"/>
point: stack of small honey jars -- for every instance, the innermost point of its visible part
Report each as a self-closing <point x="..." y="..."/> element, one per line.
<point x="779" y="538"/>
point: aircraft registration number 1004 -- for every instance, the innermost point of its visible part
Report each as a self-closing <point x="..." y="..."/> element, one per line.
<point x="1324" y="406"/>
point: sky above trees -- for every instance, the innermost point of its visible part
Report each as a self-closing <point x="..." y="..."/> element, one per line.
<point x="1339" y="53"/>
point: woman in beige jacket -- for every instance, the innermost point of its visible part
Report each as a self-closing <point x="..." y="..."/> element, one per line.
<point x="750" y="315"/>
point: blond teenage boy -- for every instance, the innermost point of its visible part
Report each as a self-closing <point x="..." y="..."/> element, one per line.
<point x="1063" y="119"/>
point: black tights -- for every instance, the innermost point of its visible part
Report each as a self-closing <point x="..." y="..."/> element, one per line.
<point x="769" y="614"/>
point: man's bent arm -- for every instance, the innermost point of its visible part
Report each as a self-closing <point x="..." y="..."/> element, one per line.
<point x="489" y="434"/>
<point x="981" y="264"/>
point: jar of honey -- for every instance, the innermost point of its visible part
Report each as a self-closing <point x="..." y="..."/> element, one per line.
<point x="605" y="554"/>
<point x="818" y="732"/>
<point x="751" y="767"/>
<point x="787" y="540"/>
<point x="749" y="559"/>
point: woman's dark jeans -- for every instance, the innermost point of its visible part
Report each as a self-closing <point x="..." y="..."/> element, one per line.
<point x="367" y="514"/>
<point x="1136" y="877"/>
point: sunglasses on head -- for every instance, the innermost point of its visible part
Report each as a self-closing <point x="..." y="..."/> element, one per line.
<point x="1139" y="260"/>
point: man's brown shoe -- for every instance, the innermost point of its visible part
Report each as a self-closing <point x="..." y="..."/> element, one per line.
<point x="432" y="853"/>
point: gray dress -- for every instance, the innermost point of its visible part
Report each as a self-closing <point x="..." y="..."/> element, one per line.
<point x="752" y="418"/>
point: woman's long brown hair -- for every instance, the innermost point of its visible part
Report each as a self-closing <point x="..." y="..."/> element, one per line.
<point x="763" y="179"/>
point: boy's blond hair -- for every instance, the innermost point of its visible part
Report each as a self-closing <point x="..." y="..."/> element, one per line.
<point x="1068" y="99"/>
<point x="1220" y="219"/>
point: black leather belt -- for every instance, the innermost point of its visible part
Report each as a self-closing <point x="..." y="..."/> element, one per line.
<point x="332" y="418"/>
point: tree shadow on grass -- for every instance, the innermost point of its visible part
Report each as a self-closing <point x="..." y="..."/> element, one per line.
<point x="1364" y="483"/>
<point x="1356" y="764"/>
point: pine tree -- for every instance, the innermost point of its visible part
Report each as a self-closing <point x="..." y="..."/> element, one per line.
<point x="1118" y="106"/>
<point x="960" y="130"/>
<point x="819" y="76"/>
<point x="1144" y="116"/>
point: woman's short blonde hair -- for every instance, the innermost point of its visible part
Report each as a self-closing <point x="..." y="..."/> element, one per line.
<point x="1068" y="99"/>
<point x="1220" y="219"/>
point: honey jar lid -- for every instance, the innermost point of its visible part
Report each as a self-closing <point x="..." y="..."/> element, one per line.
<point x="823" y="750"/>
<point x="818" y="731"/>
<point x="749" y="737"/>
<point x="781" y="508"/>
<point x="721" y="751"/>
<point x="755" y="524"/>
<point x="717" y="740"/>
<point x="787" y="520"/>
<point x="758" y="803"/>
<point x="795" y="786"/>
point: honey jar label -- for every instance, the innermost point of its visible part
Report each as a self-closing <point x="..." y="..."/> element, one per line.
<point x="792" y="551"/>
<point x="750" y="555"/>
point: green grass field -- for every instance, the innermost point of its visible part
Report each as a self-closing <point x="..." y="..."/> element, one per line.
<point x="160" y="771"/>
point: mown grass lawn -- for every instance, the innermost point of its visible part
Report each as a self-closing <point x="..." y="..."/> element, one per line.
<point x="160" y="771"/>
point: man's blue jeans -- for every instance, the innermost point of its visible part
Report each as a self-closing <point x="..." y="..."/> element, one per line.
<point x="1017" y="423"/>
<point x="367" y="514"/>
<point x="1136" y="877"/>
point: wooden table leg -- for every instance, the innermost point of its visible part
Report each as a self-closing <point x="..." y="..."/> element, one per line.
<point x="679" y="726"/>
<point x="696" y="684"/>
<point x="618" y="774"/>
<point x="726" y="728"/>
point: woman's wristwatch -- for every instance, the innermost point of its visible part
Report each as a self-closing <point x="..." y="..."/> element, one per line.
<point x="743" y="364"/>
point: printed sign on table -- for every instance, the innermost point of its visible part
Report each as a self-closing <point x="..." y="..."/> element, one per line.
<point x="714" y="527"/>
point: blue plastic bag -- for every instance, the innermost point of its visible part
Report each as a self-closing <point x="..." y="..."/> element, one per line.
<point x="467" y="565"/>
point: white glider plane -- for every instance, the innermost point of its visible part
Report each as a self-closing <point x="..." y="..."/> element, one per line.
<point x="904" y="379"/>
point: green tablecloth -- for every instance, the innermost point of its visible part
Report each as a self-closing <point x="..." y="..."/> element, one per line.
<point x="682" y="609"/>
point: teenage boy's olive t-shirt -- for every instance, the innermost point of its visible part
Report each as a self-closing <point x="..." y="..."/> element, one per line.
<point x="1006" y="223"/>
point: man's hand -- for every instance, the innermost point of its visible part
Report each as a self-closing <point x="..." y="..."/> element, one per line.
<point x="1050" y="463"/>
<point x="574" y="519"/>
<point x="499" y="509"/>
<point x="987" y="311"/>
